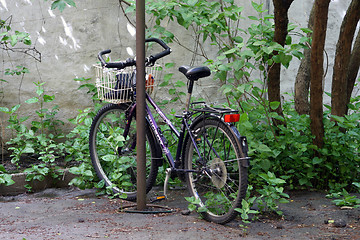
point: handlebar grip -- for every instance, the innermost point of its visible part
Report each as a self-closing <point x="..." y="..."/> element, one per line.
<point x="162" y="54"/>
<point x="119" y="65"/>
<point x="100" y="56"/>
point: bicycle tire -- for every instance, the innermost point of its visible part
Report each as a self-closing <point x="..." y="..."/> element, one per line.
<point x="114" y="157"/>
<point x="218" y="182"/>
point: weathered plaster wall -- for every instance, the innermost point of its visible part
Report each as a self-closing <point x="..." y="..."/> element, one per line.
<point x="70" y="40"/>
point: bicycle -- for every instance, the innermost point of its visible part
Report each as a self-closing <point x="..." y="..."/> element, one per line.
<point x="211" y="154"/>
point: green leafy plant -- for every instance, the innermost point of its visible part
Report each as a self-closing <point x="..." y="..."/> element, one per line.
<point x="77" y="141"/>
<point x="10" y="37"/>
<point x="246" y="210"/>
<point x="5" y="178"/>
<point x="19" y="70"/>
<point x="78" y="150"/>
<point x="194" y="203"/>
<point x="47" y="117"/>
<point x="343" y="198"/>
<point x="40" y="141"/>
<point x="246" y="207"/>
<point x="271" y="193"/>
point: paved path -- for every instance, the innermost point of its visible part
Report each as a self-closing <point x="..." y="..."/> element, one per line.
<point x="77" y="214"/>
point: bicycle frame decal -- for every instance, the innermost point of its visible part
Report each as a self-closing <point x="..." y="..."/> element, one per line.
<point x="158" y="136"/>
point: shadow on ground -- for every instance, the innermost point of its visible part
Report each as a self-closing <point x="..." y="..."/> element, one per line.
<point x="80" y="214"/>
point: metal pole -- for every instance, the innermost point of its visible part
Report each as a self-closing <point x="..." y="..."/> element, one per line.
<point x="140" y="104"/>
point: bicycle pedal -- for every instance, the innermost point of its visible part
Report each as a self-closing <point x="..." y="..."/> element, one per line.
<point x="157" y="199"/>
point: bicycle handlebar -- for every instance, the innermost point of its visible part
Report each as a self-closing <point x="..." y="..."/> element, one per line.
<point x="132" y="62"/>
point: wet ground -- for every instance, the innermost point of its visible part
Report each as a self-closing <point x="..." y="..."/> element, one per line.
<point x="80" y="214"/>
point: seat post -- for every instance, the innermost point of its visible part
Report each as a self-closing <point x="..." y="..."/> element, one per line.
<point x="191" y="86"/>
<point x="190" y="89"/>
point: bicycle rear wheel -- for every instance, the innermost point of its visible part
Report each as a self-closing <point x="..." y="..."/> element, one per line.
<point x="218" y="180"/>
<point x="114" y="156"/>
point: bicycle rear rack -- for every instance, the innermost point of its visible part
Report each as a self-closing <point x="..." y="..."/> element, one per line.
<point x="214" y="110"/>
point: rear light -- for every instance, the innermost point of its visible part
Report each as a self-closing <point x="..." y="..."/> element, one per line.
<point x="232" y="118"/>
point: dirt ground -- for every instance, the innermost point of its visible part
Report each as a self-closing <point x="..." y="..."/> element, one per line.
<point x="80" y="214"/>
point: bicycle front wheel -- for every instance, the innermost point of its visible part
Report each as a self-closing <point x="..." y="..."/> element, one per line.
<point x="216" y="179"/>
<point x="113" y="154"/>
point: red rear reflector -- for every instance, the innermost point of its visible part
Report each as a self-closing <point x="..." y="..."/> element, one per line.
<point x="232" y="117"/>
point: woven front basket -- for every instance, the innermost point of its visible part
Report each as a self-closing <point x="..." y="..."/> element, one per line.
<point x="118" y="86"/>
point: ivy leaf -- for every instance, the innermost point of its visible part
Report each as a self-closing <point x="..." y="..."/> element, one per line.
<point x="285" y="61"/>
<point x="168" y="76"/>
<point x="257" y="7"/>
<point x="4" y="109"/>
<point x="274" y="105"/>
<point x="298" y="54"/>
<point x="356" y="184"/>
<point x="15" y="108"/>
<point x="2" y="169"/>
<point x="28" y="150"/>
<point x="253" y="18"/>
<point x="13" y="40"/>
<point x="32" y="100"/>
<point x="192" y="2"/>
<point x="180" y="84"/>
<point x="265" y="164"/>
<point x="317" y="160"/>
<point x="88" y="173"/>
<point x="169" y="65"/>
<point x="48" y="98"/>
<point x="61" y="4"/>
<point x="231" y="51"/>
<point x="238" y="39"/>
<point x="263" y="148"/>
<point x="238" y="64"/>
<point x="247" y="53"/>
<point x="227" y="88"/>
<point x="8" y="180"/>
<point x="191" y="207"/>
<point x="306" y="30"/>
<point x="338" y="119"/>
<point x="71" y="3"/>
<point x="244" y="117"/>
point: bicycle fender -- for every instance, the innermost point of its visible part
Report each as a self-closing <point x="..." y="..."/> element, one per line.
<point x="243" y="144"/>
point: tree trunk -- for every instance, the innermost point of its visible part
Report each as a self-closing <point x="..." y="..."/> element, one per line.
<point x="317" y="71"/>
<point x="353" y="68"/>
<point x="339" y="90"/>
<point x="281" y="8"/>
<point x="302" y="82"/>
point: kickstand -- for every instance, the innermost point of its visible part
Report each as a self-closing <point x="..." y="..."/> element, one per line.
<point x="168" y="172"/>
